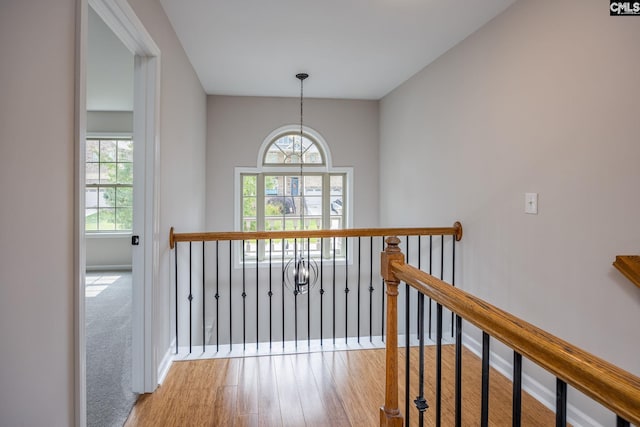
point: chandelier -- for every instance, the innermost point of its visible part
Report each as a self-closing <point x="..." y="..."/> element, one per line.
<point x="301" y="273"/>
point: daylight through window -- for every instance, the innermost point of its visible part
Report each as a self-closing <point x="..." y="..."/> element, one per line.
<point x="277" y="197"/>
<point x="109" y="185"/>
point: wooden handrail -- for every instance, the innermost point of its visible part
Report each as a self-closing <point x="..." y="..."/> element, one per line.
<point x="174" y="237"/>
<point x="611" y="386"/>
<point x="629" y="265"/>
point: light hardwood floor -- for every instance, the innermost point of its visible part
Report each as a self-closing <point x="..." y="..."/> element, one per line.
<point x="318" y="389"/>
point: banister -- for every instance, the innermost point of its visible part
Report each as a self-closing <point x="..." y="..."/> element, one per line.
<point x="455" y="230"/>
<point x="390" y="415"/>
<point x="629" y="265"/>
<point x="611" y="386"/>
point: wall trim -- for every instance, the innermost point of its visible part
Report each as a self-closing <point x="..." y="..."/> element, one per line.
<point x="79" y="248"/>
<point x="165" y="363"/>
<point x="109" y="267"/>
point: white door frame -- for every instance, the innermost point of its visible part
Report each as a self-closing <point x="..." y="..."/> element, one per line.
<point x="121" y="19"/>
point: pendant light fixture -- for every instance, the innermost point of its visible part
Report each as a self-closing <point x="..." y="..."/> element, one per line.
<point x="301" y="273"/>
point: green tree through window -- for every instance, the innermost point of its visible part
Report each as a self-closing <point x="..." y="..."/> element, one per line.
<point x="109" y="185"/>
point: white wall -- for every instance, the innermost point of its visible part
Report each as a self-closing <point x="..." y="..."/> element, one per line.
<point x="108" y="252"/>
<point x="109" y="121"/>
<point x="109" y="68"/>
<point x="543" y="99"/>
<point x="36" y="175"/>
<point x="182" y="155"/>
<point x="36" y="213"/>
<point x="237" y="126"/>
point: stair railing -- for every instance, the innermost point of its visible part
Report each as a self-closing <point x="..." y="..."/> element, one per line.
<point x="611" y="386"/>
<point x="231" y="296"/>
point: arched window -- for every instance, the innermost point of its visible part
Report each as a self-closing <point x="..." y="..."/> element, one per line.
<point x="277" y="196"/>
<point x="286" y="150"/>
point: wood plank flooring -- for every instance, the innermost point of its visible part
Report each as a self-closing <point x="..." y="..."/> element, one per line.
<point x="318" y="389"/>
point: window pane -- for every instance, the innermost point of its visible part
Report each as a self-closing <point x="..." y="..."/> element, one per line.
<point x="284" y="143"/>
<point x="273" y="185"/>
<point x="106" y="197"/>
<point x="91" y="197"/>
<point x="289" y="246"/>
<point x="292" y="205"/>
<point x="278" y="206"/>
<point x="125" y="173"/>
<point x="91" y="219"/>
<point x="336" y="205"/>
<point x="107" y="151"/>
<point x="249" y="185"/>
<point x="249" y="225"/>
<point x="280" y="151"/>
<point x="292" y="223"/>
<point x="124" y="219"/>
<point x="274" y="156"/>
<point x="337" y="184"/>
<point x="93" y="150"/>
<point x="107" y="173"/>
<point x="92" y="173"/>
<point x="124" y="197"/>
<point x="276" y="246"/>
<point x="313" y="205"/>
<point x="273" y="224"/>
<point x="250" y="249"/>
<point x="125" y="151"/>
<point x="294" y="186"/>
<point x="106" y="219"/>
<point x="287" y="150"/>
<point x="313" y="223"/>
<point x="313" y="185"/>
<point x="312" y="155"/>
<point x="249" y="207"/>
<point x="293" y="158"/>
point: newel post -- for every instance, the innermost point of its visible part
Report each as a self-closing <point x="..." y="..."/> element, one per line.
<point x="390" y="415"/>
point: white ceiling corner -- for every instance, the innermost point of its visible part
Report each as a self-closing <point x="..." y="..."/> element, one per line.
<point x="352" y="49"/>
<point x="357" y="49"/>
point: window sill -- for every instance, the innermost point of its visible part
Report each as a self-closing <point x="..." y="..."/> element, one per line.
<point x="107" y="234"/>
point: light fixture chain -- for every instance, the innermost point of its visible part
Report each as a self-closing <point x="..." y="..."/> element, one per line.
<point x="301" y="184"/>
<point x="305" y="272"/>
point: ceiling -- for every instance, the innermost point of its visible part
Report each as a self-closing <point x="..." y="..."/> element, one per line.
<point x="357" y="49"/>
<point x="353" y="49"/>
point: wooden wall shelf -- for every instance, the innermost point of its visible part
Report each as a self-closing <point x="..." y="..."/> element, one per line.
<point x="629" y="265"/>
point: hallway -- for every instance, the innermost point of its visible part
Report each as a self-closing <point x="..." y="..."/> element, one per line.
<point x="343" y="388"/>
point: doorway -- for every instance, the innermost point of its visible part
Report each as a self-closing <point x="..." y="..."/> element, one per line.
<point x="108" y="226"/>
<point x="123" y="23"/>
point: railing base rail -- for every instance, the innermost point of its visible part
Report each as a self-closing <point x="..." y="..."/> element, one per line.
<point x="289" y="347"/>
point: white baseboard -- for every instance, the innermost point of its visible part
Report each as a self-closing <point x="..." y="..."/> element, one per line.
<point x="165" y="364"/>
<point x="290" y="347"/>
<point x="534" y="388"/>
<point x="123" y="267"/>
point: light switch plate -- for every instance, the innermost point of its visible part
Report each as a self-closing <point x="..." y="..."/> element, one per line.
<point x="531" y="203"/>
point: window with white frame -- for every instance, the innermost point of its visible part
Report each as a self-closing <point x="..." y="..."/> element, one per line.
<point x="277" y="196"/>
<point x="109" y="185"/>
